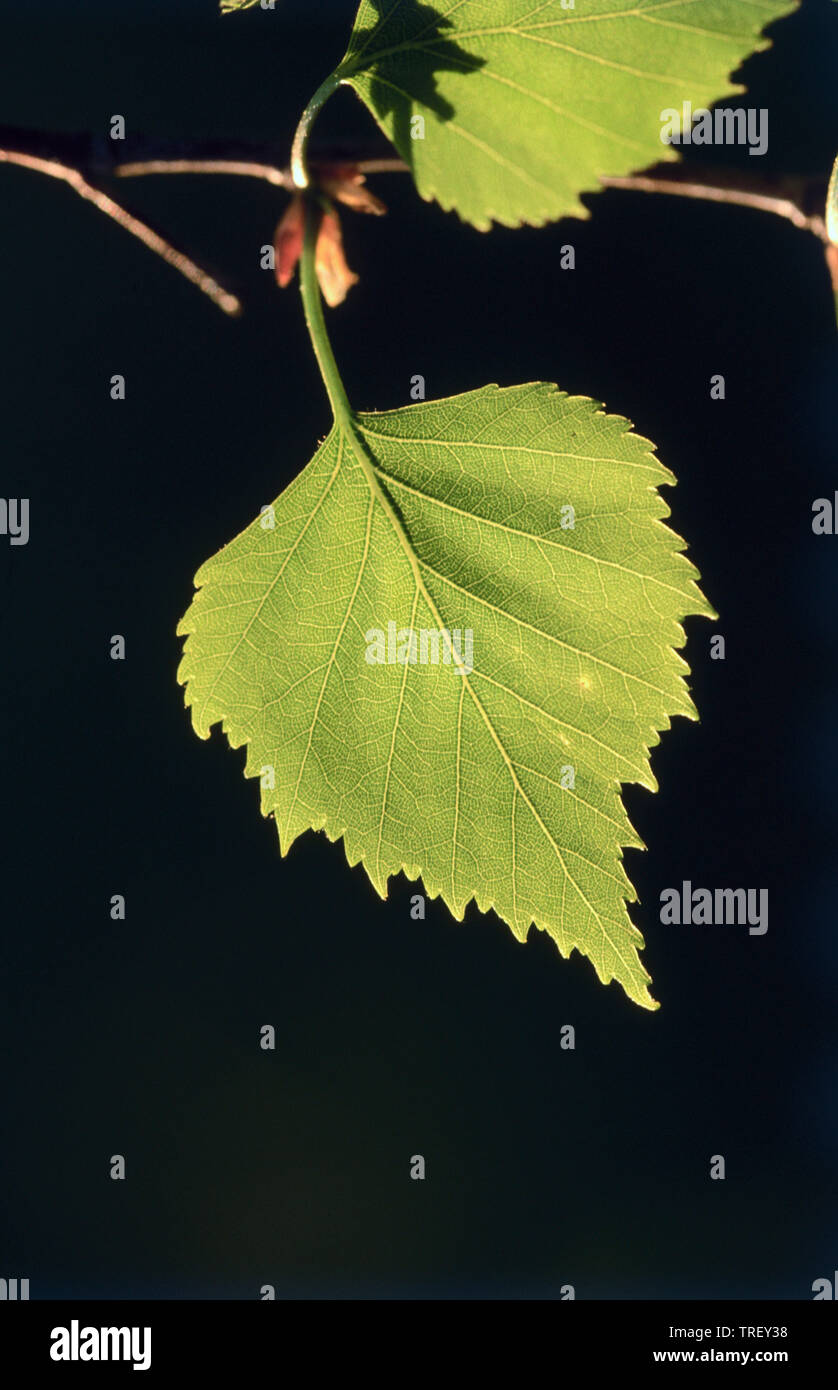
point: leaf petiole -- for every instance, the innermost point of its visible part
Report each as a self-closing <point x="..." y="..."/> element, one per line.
<point x="344" y="416"/>
<point x="299" y="171"/>
<point x="316" y="323"/>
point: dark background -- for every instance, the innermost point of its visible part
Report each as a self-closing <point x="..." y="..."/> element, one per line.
<point x="394" y="1037"/>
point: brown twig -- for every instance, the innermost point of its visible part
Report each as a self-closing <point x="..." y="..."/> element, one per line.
<point x="64" y="157"/>
<point x="280" y="178"/>
<point x="739" y="197"/>
<point x="247" y="168"/>
<point x="177" y="259"/>
<point x="798" y="200"/>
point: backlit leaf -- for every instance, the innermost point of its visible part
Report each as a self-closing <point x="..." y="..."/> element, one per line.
<point x="531" y="521"/>
<point x="525" y="102"/>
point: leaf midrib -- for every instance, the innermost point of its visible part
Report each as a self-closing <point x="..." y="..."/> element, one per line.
<point x="351" y="426"/>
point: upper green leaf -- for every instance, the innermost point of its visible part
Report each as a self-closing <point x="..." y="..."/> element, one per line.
<point x="528" y="522"/>
<point x="227" y="6"/>
<point x="526" y="103"/>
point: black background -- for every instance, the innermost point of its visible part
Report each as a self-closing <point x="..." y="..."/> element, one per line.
<point x="544" y="1167"/>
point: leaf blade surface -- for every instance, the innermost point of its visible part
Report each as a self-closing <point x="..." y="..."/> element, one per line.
<point x="526" y="104"/>
<point x="531" y="520"/>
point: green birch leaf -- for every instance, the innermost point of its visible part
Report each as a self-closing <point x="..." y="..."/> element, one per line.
<point x="229" y="6"/>
<point x="526" y="103"/>
<point x="490" y="763"/>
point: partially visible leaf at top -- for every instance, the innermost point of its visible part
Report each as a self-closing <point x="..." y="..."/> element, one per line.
<point x="450" y="641"/>
<point x="228" y="6"/>
<point x="525" y="103"/>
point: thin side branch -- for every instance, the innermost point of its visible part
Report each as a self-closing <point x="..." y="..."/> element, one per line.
<point x="249" y="169"/>
<point x="799" y="200"/>
<point x="71" y="157"/>
<point x="177" y="259"/>
<point x="739" y="197"/>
